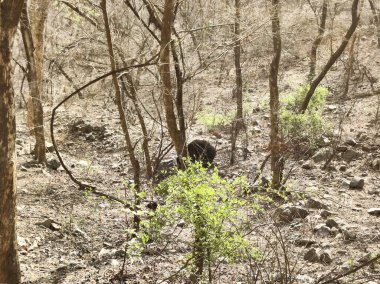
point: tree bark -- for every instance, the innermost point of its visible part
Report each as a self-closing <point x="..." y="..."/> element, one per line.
<point x="164" y="69"/>
<point x="10" y="11"/>
<point x="376" y="18"/>
<point x="35" y="106"/>
<point x="317" y="41"/>
<point x="123" y="121"/>
<point x="334" y="57"/>
<point x="350" y="63"/>
<point x="276" y="160"/>
<point x="238" y="122"/>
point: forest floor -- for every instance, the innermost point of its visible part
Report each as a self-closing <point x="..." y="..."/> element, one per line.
<point x="69" y="236"/>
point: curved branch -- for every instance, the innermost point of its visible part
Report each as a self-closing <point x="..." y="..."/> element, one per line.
<point x="81" y="185"/>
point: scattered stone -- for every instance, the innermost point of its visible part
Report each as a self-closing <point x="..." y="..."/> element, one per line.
<point x="325" y="257"/>
<point x="288" y="213"/>
<point x="341" y="148"/>
<point x="106" y="253"/>
<point x="50" y="224"/>
<point x="350" y="155"/>
<point x="322" y="230"/>
<point x="342" y="168"/>
<point x="321" y="155"/>
<point x="311" y="255"/>
<point x="308" y="165"/>
<point x="351" y="142"/>
<point x="305" y="279"/>
<point x="316" y="204"/>
<point x="49" y="147"/>
<point x="325" y="213"/>
<point x="348" y="235"/>
<point x="357" y="183"/>
<point x="376" y="164"/>
<point x="374" y="212"/>
<point x="367" y="257"/>
<point x="374" y="191"/>
<point x="304" y="242"/>
<point x="331" y="223"/>
<point x="53" y="164"/>
<point x="181" y="223"/>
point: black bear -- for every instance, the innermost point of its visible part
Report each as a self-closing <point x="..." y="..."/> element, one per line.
<point x="202" y="151"/>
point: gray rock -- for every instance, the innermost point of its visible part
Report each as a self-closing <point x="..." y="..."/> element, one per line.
<point x="374" y="212"/>
<point x="357" y="183"/>
<point x="311" y="255"/>
<point x="321" y="155"/>
<point x="315" y="203"/>
<point x="351" y="142"/>
<point x="304" y="242"/>
<point x="350" y="155"/>
<point x="376" y="164"/>
<point x="348" y="234"/>
<point x="331" y="223"/>
<point x="342" y="168"/>
<point x="325" y="213"/>
<point x="53" y="164"/>
<point x="325" y="257"/>
<point x="322" y="230"/>
<point x="308" y="165"/>
<point x="287" y="213"/>
<point x="341" y="148"/>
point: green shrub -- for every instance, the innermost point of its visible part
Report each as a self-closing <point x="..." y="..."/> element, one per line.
<point x="209" y="206"/>
<point x="306" y="128"/>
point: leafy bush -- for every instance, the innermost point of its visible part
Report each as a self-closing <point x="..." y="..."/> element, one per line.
<point x="208" y="206"/>
<point x="308" y="127"/>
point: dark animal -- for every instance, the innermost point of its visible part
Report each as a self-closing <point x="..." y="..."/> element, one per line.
<point x="202" y="151"/>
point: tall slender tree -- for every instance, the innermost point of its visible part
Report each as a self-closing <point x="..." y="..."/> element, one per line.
<point x="10" y="12"/>
<point x="276" y="159"/>
<point x="34" y="77"/>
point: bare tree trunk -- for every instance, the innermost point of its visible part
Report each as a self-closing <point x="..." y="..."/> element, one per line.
<point x="349" y="66"/>
<point x="376" y="18"/>
<point x="164" y="69"/>
<point x="276" y="160"/>
<point x="35" y="106"/>
<point x="179" y="96"/>
<point x="10" y="11"/>
<point x="38" y="14"/>
<point x="131" y="91"/>
<point x="238" y="122"/>
<point x="124" y="126"/>
<point x="317" y="41"/>
<point x="334" y="56"/>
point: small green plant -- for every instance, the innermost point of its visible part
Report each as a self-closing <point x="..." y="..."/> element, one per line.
<point x="212" y="120"/>
<point x="209" y="206"/>
<point x="303" y="128"/>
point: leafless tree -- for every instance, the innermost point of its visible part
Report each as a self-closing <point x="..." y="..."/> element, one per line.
<point x="135" y="163"/>
<point x="10" y="12"/>
<point x="238" y="122"/>
<point x="334" y="57"/>
<point x="276" y="159"/>
<point x="376" y="18"/>
<point x="34" y="76"/>
<point x="317" y="41"/>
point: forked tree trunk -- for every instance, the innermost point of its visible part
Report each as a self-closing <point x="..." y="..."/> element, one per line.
<point x="123" y="121"/>
<point x="238" y="123"/>
<point x="376" y="18"/>
<point x="276" y="160"/>
<point x="35" y="106"/>
<point x="317" y="41"/>
<point x="164" y="69"/>
<point x="334" y="57"/>
<point x="10" y="11"/>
